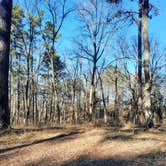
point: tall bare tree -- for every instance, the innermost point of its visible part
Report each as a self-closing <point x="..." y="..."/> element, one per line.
<point x="99" y="25"/>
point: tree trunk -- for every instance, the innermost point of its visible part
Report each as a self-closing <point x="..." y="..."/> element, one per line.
<point x="10" y="88"/>
<point x="147" y="90"/>
<point x="18" y="89"/>
<point x="33" y="100"/>
<point x="92" y="91"/>
<point x="74" y="111"/>
<point x="103" y="99"/>
<point x="5" y="25"/>
<point x="116" y="107"/>
<point x="27" y="98"/>
<point x="139" y="99"/>
<point x="36" y="104"/>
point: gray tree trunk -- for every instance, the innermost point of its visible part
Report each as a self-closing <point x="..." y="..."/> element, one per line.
<point x="147" y="90"/>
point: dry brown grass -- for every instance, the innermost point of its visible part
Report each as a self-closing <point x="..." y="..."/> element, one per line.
<point x="82" y="146"/>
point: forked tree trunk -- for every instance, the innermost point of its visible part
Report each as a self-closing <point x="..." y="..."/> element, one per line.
<point x="5" y="24"/>
<point x="147" y="90"/>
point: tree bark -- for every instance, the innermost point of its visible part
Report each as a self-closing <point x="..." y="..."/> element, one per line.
<point x="92" y="87"/>
<point x="5" y="25"/>
<point x="103" y="98"/>
<point x="139" y="99"/>
<point x="147" y="90"/>
<point x="116" y="106"/>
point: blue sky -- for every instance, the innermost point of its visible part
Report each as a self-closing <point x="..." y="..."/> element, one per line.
<point x="157" y="26"/>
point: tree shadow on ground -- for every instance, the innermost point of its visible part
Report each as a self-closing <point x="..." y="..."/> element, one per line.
<point x="59" y="138"/>
<point x="128" y="135"/>
<point x="144" y="160"/>
<point x="24" y="130"/>
<point x="150" y="159"/>
<point x="118" y="137"/>
<point x="122" y="137"/>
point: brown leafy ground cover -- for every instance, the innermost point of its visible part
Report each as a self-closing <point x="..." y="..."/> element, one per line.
<point x="82" y="146"/>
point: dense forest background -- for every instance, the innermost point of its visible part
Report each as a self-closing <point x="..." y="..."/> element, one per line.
<point x="92" y="61"/>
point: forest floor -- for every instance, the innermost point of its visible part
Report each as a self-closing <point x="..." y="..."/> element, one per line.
<point x="82" y="146"/>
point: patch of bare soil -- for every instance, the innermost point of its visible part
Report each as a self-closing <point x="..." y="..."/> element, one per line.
<point x="83" y="147"/>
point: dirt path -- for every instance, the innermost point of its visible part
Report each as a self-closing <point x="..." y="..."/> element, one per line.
<point x="85" y="148"/>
